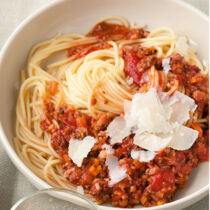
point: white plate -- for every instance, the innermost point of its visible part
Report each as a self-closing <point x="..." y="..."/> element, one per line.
<point x="77" y="16"/>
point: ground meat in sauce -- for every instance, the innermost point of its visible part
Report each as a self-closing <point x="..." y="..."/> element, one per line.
<point x="106" y="32"/>
<point x="148" y="184"/>
<point x="194" y="83"/>
<point x="138" y="60"/>
<point x="110" y="31"/>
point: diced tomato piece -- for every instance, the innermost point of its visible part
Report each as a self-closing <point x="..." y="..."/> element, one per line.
<point x="168" y="177"/>
<point x="163" y="178"/>
<point x="131" y="61"/>
<point x="156" y="182"/>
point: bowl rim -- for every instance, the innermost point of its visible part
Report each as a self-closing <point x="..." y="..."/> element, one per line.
<point x="32" y="177"/>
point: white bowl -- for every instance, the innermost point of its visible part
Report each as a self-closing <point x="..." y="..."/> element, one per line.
<point x="77" y="17"/>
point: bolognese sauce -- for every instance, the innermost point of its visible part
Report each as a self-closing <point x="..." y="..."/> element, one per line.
<point x="149" y="184"/>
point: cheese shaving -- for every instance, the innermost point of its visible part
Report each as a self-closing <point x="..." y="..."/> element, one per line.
<point x="108" y="148"/>
<point x="153" y="118"/>
<point x="80" y="190"/>
<point x="142" y="156"/>
<point x="79" y="149"/>
<point x="116" y="173"/>
<point x="183" y="137"/>
<point x="118" y="130"/>
<point x="147" y="114"/>
<point x="152" y="142"/>
<point x="181" y="106"/>
<point x="166" y="65"/>
<point x="127" y="106"/>
<point x="97" y="186"/>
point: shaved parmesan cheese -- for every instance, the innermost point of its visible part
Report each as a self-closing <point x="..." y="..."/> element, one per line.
<point x="127" y="106"/>
<point x="147" y="113"/>
<point x="79" y="149"/>
<point x="142" y="156"/>
<point x="166" y="65"/>
<point x="152" y="142"/>
<point x="80" y="190"/>
<point x="153" y="117"/>
<point x="181" y="105"/>
<point x="118" y="130"/>
<point x="183" y="137"/>
<point x="167" y="100"/>
<point x="116" y="173"/>
<point x="108" y="149"/>
<point x="182" y="47"/>
<point x="97" y="186"/>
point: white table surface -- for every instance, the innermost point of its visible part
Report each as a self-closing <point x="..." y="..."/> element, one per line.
<point x="13" y="185"/>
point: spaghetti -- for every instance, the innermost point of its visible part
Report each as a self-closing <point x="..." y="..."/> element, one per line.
<point x="93" y="74"/>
